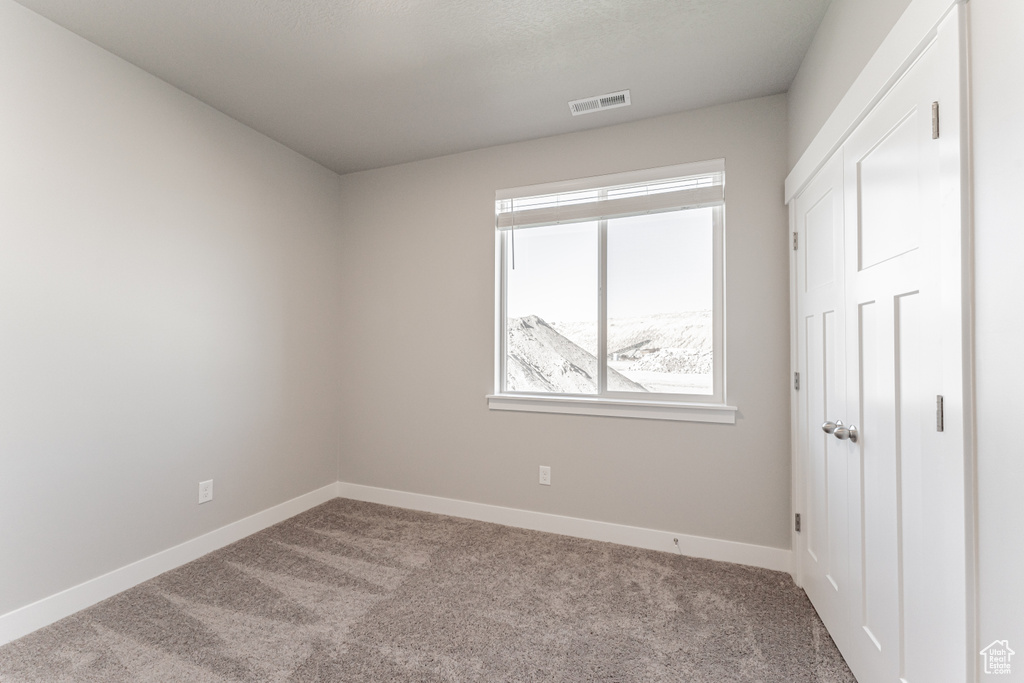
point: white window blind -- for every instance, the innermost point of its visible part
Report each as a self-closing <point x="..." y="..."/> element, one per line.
<point x="606" y="197"/>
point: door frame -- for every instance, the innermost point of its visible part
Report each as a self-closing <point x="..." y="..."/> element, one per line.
<point x="911" y="35"/>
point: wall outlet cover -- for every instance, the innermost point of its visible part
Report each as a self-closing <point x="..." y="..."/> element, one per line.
<point x="545" y="475"/>
<point x="205" y="491"/>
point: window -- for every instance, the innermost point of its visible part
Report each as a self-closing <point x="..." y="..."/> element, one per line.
<point x="610" y="295"/>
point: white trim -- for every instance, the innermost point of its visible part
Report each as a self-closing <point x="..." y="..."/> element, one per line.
<point x="580" y="405"/>
<point x="796" y="463"/>
<point x="969" y="407"/>
<point x="904" y="44"/>
<point x="24" y="620"/>
<point x="682" y="407"/>
<point x="501" y="246"/>
<point x="776" y="559"/>
<point x="611" y="179"/>
<point x="510" y="217"/>
<point x="718" y="313"/>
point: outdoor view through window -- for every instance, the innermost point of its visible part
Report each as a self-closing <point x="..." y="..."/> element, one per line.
<point x="659" y="285"/>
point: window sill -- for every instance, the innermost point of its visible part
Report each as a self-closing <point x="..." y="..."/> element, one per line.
<point x="648" y="410"/>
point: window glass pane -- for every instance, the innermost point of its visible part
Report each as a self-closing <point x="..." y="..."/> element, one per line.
<point x="660" y="301"/>
<point x="551" y="304"/>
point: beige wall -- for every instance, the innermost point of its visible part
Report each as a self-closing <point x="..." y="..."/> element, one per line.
<point x="997" y="74"/>
<point x="847" y="37"/>
<point x="168" y="314"/>
<point x="419" y="337"/>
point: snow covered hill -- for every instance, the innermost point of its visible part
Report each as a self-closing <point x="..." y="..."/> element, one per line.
<point x="541" y="359"/>
<point x="635" y="337"/>
<point x="669" y="353"/>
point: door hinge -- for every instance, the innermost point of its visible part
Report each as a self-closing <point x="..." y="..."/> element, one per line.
<point x="939" y="414"/>
<point x="796" y="241"/>
<point x="796" y="381"/>
<point x="935" y="120"/>
<point x="797" y="525"/>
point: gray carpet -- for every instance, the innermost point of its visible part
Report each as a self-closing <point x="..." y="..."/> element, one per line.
<point x="352" y="591"/>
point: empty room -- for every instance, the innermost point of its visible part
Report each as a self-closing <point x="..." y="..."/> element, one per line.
<point x="452" y="340"/>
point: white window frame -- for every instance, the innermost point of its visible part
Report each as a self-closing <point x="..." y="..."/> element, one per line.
<point x="684" y="407"/>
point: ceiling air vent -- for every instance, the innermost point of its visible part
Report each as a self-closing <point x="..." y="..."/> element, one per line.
<point x="589" y="105"/>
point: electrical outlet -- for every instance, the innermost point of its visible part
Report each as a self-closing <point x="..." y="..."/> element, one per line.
<point x="545" y="475"/>
<point x="205" y="491"/>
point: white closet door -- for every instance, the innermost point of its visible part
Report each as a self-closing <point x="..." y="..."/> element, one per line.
<point x="910" y="614"/>
<point x="879" y="326"/>
<point x="821" y="339"/>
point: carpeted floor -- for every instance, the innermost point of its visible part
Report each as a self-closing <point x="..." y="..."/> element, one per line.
<point x="353" y="591"/>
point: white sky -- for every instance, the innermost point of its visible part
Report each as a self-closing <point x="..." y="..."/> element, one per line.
<point x="656" y="264"/>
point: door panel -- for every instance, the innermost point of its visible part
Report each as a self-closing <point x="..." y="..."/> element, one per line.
<point x="878" y="504"/>
<point x="817" y="467"/>
<point x="889" y="216"/>
<point x="836" y="492"/>
<point x="912" y="402"/>
<point x="890" y="406"/>
<point x="819" y="258"/>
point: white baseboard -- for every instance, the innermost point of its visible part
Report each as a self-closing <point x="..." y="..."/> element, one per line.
<point x="24" y="620"/>
<point x="778" y="559"/>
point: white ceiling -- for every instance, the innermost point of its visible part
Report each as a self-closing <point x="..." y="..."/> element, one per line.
<point x="357" y="84"/>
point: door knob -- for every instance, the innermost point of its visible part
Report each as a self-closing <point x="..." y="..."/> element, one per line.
<point x="844" y="433"/>
<point x="830" y="427"/>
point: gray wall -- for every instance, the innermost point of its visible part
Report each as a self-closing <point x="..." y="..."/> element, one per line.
<point x="168" y="313"/>
<point x="847" y="37"/>
<point x="419" y="337"/>
<point x="998" y="70"/>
